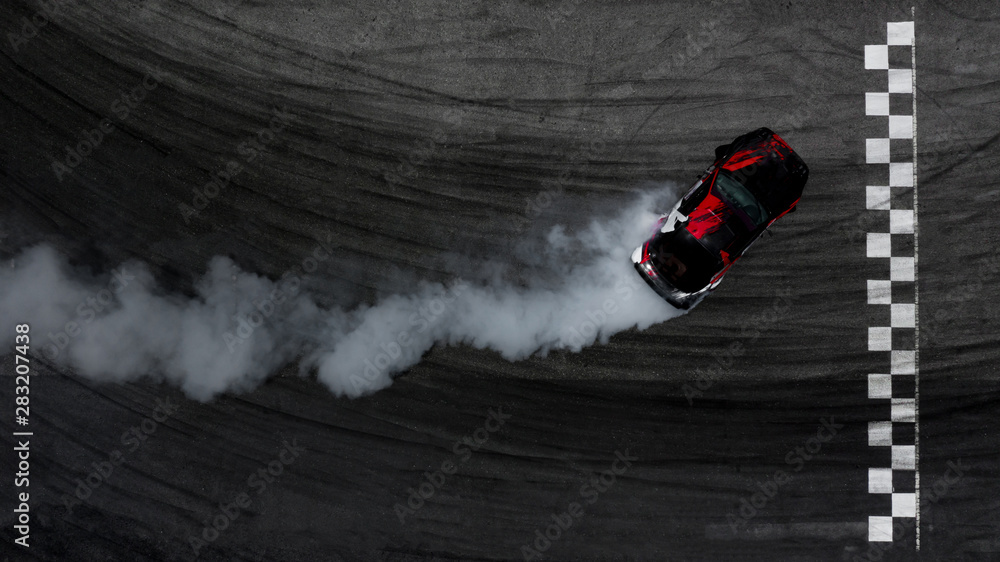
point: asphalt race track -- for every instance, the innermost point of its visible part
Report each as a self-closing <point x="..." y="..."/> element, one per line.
<point x="424" y="130"/>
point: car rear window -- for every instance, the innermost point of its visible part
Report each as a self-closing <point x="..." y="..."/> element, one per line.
<point x="681" y="259"/>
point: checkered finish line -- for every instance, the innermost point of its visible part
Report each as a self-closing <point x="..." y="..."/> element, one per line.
<point x="897" y="292"/>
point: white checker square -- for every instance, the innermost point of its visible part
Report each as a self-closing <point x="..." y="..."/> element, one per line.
<point x="877" y="103"/>
<point x="904" y="505"/>
<point x="901" y="221"/>
<point x="879" y="291"/>
<point x="877" y="151"/>
<point x="903" y="363"/>
<point x="879" y="339"/>
<point x="879" y="386"/>
<point x="900" y="269"/>
<point x="904" y="410"/>
<point x="876" y="57"/>
<point x="879" y="480"/>
<point x="877" y="197"/>
<point x="899" y="32"/>
<point x="904" y="315"/>
<point x="904" y="457"/>
<point x="879" y="245"/>
<point x="900" y="126"/>
<point x="900" y="80"/>
<point x="900" y="173"/>
<point x="879" y="529"/>
<point x="880" y="434"/>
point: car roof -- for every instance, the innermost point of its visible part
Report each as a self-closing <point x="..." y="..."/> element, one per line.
<point x="770" y="169"/>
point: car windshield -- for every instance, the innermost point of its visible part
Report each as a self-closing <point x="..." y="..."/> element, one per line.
<point x="740" y="197"/>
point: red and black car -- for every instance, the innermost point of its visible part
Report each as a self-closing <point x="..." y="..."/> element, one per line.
<point x="754" y="181"/>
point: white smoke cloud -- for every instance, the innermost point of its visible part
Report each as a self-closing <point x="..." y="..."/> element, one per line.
<point x="240" y="327"/>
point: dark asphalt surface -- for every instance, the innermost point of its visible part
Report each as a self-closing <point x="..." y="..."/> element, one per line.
<point x="473" y="110"/>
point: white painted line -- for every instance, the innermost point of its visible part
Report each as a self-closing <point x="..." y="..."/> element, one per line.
<point x="879" y="529"/>
<point x="901" y="221"/>
<point x="877" y="151"/>
<point x="879" y="245"/>
<point x="877" y="103"/>
<point x="902" y="363"/>
<point x="901" y="174"/>
<point x="899" y="33"/>
<point x="902" y="457"/>
<point x="903" y="315"/>
<point x="877" y="197"/>
<point x="879" y="386"/>
<point x="876" y="57"/>
<point x="904" y="505"/>
<point x="879" y="339"/>
<point x="879" y="434"/>
<point x="902" y="269"/>
<point x="879" y="480"/>
<point x="900" y="127"/>
<point x="900" y="80"/>
<point x="902" y="410"/>
<point x="879" y="291"/>
<point x="916" y="287"/>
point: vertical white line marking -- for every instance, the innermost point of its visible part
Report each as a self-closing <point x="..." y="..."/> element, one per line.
<point x="916" y="289"/>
